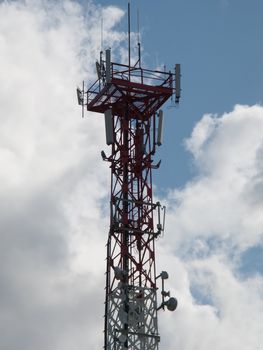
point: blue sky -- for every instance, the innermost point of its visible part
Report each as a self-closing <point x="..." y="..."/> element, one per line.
<point x="219" y="45"/>
<point x="54" y="187"/>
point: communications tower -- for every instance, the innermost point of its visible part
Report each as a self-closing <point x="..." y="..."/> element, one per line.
<point x="130" y="97"/>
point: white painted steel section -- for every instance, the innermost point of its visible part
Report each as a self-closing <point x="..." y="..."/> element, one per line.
<point x="136" y="328"/>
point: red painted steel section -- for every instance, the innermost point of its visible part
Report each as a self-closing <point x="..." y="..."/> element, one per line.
<point x="134" y="95"/>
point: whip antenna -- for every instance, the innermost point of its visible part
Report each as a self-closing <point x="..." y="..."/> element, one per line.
<point x="138" y="38"/>
<point x="129" y="37"/>
<point x="101" y="34"/>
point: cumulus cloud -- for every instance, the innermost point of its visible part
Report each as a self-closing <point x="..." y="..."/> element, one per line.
<point x="221" y="202"/>
<point x="53" y="226"/>
<point x="51" y="210"/>
<point x="213" y="222"/>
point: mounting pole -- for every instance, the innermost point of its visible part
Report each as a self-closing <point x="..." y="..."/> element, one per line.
<point x="101" y="35"/>
<point x="139" y="41"/>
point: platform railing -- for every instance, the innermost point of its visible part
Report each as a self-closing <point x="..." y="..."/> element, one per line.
<point x="134" y="75"/>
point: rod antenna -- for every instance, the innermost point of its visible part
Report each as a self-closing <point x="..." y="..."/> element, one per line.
<point x="101" y="34"/>
<point x="129" y="37"/>
<point x="139" y="41"/>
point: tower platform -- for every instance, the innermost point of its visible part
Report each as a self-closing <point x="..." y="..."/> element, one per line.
<point x="143" y="90"/>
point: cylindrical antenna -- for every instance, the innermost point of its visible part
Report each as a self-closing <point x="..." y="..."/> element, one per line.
<point x="129" y="38"/>
<point x="160" y="128"/>
<point x="177" y="82"/>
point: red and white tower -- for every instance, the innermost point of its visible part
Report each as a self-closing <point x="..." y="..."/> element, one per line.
<point x="130" y="98"/>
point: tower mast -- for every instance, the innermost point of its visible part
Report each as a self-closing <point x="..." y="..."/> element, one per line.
<point x="130" y="99"/>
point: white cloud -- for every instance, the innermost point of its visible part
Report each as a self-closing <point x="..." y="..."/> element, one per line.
<point x="220" y="201"/>
<point x="211" y="222"/>
<point x="233" y="321"/>
<point x="52" y="176"/>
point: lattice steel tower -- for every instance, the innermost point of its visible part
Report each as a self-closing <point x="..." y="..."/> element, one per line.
<point x="130" y="98"/>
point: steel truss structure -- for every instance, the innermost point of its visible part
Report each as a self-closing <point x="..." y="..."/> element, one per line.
<point x="130" y="98"/>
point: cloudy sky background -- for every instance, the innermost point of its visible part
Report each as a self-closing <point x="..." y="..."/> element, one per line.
<point x="54" y="196"/>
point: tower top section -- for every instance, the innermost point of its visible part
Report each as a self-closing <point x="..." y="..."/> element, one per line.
<point x="119" y="85"/>
<point x="144" y="90"/>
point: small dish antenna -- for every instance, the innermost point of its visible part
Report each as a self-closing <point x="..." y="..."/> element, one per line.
<point x="171" y="304"/>
<point x="135" y="314"/>
<point x="122" y="338"/>
<point x="123" y="316"/>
